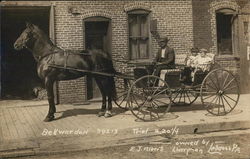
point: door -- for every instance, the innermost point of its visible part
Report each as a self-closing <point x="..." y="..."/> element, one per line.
<point x="97" y="35"/>
<point x="244" y="30"/>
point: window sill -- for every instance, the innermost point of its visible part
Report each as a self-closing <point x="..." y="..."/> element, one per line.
<point x="227" y="57"/>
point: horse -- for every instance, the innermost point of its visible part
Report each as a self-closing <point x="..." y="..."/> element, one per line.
<point x="48" y="55"/>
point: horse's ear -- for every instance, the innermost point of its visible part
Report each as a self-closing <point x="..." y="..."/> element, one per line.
<point x="29" y="25"/>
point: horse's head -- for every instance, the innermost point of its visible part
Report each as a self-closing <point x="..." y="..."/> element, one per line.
<point x="25" y="37"/>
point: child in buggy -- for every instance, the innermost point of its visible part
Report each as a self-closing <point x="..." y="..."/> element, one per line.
<point x="198" y="62"/>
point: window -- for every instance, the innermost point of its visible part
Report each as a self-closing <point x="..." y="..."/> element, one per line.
<point x="225" y="30"/>
<point x="138" y="34"/>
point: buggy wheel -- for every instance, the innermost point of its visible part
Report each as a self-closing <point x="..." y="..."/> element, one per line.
<point x="219" y="92"/>
<point x="122" y="92"/>
<point x="184" y="96"/>
<point x="149" y="98"/>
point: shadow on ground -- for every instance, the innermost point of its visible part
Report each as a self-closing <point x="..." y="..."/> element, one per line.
<point x="82" y="111"/>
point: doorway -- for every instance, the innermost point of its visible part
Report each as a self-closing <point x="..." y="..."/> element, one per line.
<point x="18" y="68"/>
<point x="97" y="35"/>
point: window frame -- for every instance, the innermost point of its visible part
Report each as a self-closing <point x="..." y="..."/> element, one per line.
<point x="148" y="37"/>
<point x="234" y="32"/>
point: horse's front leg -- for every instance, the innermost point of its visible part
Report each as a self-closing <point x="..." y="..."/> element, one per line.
<point x="108" y="113"/>
<point x="50" y="93"/>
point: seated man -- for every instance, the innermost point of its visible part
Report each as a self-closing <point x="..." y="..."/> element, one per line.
<point x="165" y="57"/>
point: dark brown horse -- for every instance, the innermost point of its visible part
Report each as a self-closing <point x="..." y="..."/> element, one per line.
<point x="46" y="54"/>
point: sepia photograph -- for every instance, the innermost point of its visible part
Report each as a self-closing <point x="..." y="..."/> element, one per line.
<point x="125" y="79"/>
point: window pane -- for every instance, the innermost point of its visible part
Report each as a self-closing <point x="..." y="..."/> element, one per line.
<point x="143" y="48"/>
<point x="134" y="52"/>
<point x="144" y="26"/>
<point x="133" y="26"/>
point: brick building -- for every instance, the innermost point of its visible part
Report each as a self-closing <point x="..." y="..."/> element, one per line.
<point x="124" y="27"/>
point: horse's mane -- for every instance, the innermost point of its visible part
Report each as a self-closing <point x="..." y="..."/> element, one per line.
<point x="99" y="57"/>
<point x="42" y="34"/>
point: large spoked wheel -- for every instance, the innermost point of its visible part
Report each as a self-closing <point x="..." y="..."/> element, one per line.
<point x="149" y="98"/>
<point x="122" y="92"/>
<point x="184" y="96"/>
<point x="219" y="92"/>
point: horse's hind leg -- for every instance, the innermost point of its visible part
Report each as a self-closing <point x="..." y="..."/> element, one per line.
<point x="108" y="113"/>
<point x="52" y="109"/>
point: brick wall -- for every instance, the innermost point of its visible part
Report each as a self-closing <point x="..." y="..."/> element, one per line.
<point x="204" y="20"/>
<point x="174" y="20"/>
<point x="187" y="23"/>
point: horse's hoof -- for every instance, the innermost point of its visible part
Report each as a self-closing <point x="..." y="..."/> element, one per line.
<point x="49" y="118"/>
<point x="108" y="114"/>
<point x="100" y="113"/>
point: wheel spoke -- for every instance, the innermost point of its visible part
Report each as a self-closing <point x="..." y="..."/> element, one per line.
<point x="213" y="83"/>
<point x="209" y="92"/>
<point x="184" y="96"/>
<point x="219" y="106"/>
<point x="230" y="98"/>
<point x="227" y="102"/>
<point x="160" y="92"/>
<point x="121" y="96"/>
<point x="188" y="97"/>
<point x="225" y="80"/>
<point x="155" y="103"/>
<point x="211" y="102"/>
<point x="150" y="114"/>
<point x="155" y="82"/>
<point x="152" y="104"/>
<point x="194" y="93"/>
<point x="143" y="104"/>
<point x="134" y="99"/>
<point x="156" y="90"/>
<point x="143" y="90"/>
<point x="160" y="101"/>
<point x="216" y="101"/>
<point x="229" y="83"/>
<point x="223" y="104"/>
<point x="210" y="86"/>
<point x="176" y="96"/>
<point x="139" y="96"/>
<point x="209" y="96"/>
<point x="216" y="76"/>
<point x="230" y="88"/>
<point x="122" y="101"/>
<point x="126" y="105"/>
<point x="180" y="96"/>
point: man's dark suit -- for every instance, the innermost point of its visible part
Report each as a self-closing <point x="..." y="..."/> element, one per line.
<point x="167" y="62"/>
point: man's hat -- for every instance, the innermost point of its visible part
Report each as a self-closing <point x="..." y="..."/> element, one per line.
<point x="164" y="39"/>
